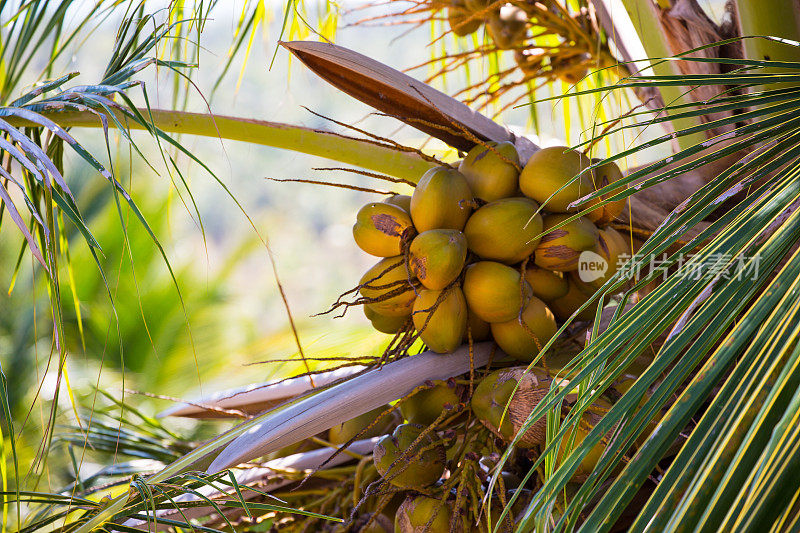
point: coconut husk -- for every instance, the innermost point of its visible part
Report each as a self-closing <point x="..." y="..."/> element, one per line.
<point x="532" y="387"/>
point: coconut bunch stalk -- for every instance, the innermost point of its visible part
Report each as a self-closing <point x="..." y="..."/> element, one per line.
<point x="545" y="41"/>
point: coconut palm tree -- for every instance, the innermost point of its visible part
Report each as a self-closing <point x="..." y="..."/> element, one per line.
<point x="703" y="437"/>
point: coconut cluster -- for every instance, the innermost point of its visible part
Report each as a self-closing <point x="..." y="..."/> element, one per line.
<point x="487" y="250"/>
<point x="508" y="26"/>
<point x="419" y="455"/>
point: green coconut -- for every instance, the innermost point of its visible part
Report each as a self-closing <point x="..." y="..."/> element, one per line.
<point x="547" y="285"/>
<point x="380" y="228"/>
<point x="425" y="406"/>
<point x="551" y="169"/>
<point x="441" y="326"/>
<point x="524" y="338"/>
<point x="403" y="201"/>
<point x="437" y="257"/>
<point x="505" y="230"/>
<point x="407" y="466"/>
<point x="560" y="248"/>
<point x="607" y="174"/>
<point x="423" y="514"/>
<point x="492" y="170"/>
<point x="388" y="282"/>
<point x="495" y="292"/>
<point x="492" y="395"/>
<point x="442" y="200"/>
<point x="385" y="324"/>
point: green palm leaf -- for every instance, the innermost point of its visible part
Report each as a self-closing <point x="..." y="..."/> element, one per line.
<point x="734" y="332"/>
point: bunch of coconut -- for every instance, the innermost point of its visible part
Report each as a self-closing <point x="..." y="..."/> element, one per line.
<point x="432" y="455"/>
<point x="488" y="250"/>
<point x="506" y="25"/>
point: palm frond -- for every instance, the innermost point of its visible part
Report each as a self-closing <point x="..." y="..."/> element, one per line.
<point x="727" y="306"/>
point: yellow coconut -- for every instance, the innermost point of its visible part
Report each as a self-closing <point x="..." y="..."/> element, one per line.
<point x="444" y="330"/>
<point x="380" y="227"/>
<point x="441" y="200"/>
<point x="402" y="201"/>
<point x="607" y="213"/>
<point x="523" y="341"/>
<point x="614" y="250"/>
<point x="383" y="323"/>
<point x="575" y="437"/>
<point x="425" y="406"/>
<point x="550" y="169"/>
<point x="437" y="257"/>
<point x="387" y="283"/>
<point x="492" y="171"/>
<point x="570" y="68"/>
<point x="493" y="393"/>
<point x="495" y="292"/>
<point x="505" y="230"/>
<point x="508" y="28"/>
<point x="576" y="296"/>
<point x="407" y="466"/>
<point x="478" y="328"/>
<point x="547" y="285"/>
<point x="561" y="248"/>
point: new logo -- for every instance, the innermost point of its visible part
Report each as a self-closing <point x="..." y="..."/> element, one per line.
<point x="591" y="266"/>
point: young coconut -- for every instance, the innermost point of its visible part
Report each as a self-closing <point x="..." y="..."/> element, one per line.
<point x="385" y="324"/>
<point x="505" y="230"/>
<point x="380" y="227"/>
<point x="461" y="21"/>
<point x="561" y="248"/>
<point x="493" y="393"/>
<point x="445" y="329"/>
<point x="508" y="28"/>
<point x="425" y="406"/>
<point x="407" y="466"/>
<point x="570" y="68"/>
<point x="614" y="250"/>
<point x="345" y="431"/>
<point x="547" y="285"/>
<point x="437" y="257"/>
<point x="550" y="169"/>
<point x="578" y="294"/>
<point x="605" y="175"/>
<point x="388" y="284"/>
<point x="573" y="439"/>
<point x="478" y="328"/>
<point x="423" y="514"/>
<point x="493" y="291"/>
<point x="403" y="201"/>
<point x="492" y="171"/>
<point x="523" y="341"/>
<point x="441" y="200"/>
